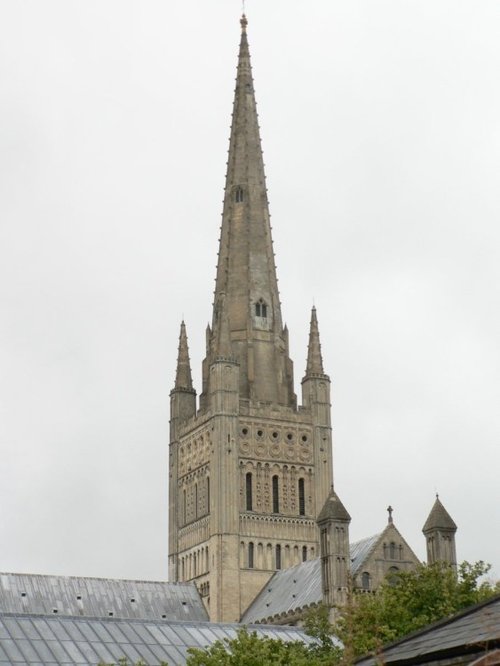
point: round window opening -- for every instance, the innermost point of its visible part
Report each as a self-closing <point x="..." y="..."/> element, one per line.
<point x="259" y="433"/>
<point x="304" y="438"/>
<point x="289" y="437"/>
<point x="245" y="431"/>
<point x="275" y="435"/>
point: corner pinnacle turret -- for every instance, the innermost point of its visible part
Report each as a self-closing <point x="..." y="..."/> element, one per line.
<point x="314" y="364"/>
<point x="183" y="378"/>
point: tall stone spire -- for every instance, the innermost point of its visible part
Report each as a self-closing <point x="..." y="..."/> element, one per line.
<point x="183" y="378"/>
<point x="246" y="287"/>
<point x="314" y="359"/>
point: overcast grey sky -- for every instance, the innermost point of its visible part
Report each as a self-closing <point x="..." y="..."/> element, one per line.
<point x="381" y="130"/>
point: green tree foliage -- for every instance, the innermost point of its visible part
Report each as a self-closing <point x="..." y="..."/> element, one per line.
<point x="409" y="601"/>
<point x="248" y="649"/>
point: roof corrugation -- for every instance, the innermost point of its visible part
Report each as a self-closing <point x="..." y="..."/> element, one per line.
<point x="297" y="587"/>
<point x="51" y="640"/>
<point x="360" y="550"/>
<point x="99" y="597"/>
<point x="288" y="590"/>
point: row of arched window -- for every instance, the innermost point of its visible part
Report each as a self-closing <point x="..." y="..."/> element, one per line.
<point x="193" y="564"/>
<point x="393" y="551"/>
<point x="259" y="556"/>
<point x="275" y="492"/>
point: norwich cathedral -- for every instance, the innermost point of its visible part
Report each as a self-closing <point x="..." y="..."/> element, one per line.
<point x="251" y="488"/>
<point x="257" y="533"/>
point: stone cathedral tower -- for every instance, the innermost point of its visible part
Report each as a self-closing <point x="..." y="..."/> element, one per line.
<point x="249" y="470"/>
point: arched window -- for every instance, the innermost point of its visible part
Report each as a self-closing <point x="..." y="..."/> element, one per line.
<point x="365" y="580"/>
<point x="250" y="555"/>
<point x="392" y="551"/>
<point x="278" y="557"/>
<point x="276" y="495"/>
<point x="196" y="500"/>
<point x="184" y="507"/>
<point x="302" y="498"/>
<point x="260" y="309"/>
<point x="392" y="576"/>
<point x="248" y="483"/>
<point x="238" y="195"/>
<point x="304" y="553"/>
<point x="208" y="494"/>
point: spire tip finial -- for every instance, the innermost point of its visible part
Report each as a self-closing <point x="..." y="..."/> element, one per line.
<point x="243" y="22"/>
<point x="389" y="511"/>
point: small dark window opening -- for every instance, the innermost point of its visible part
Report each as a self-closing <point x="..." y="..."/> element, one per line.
<point x="276" y="497"/>
<point x="365" y="580"/>
<point x="278" y="557"/>
<point x="392" y="551"/>
<point x="250" y="555"/>
<point x="208" y="494"/>
<point x="248" y="480"/>
<point x="302" y="498"/>
<point x="23" y="594"/>
<point x="261" y="309"/>
<point x="238" y="195"/>
<point x="304" y="553"/>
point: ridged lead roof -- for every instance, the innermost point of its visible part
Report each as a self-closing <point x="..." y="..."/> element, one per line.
<point x="298" y="587"/>
<point x="288" y="590"/>
<point x="103" y="597"/>
<point x="43" y="640"/>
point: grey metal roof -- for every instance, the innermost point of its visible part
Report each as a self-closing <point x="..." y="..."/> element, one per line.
<point x="288" y="590"/>
<point x="360" y="550"/>
<point x="470" y="631"/>
<point x="39" y="639"/>
<point x="99" y="597"/>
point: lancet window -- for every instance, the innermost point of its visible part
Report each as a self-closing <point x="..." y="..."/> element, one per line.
<point x="261" y="309"/>
<point x="276" y="494"/>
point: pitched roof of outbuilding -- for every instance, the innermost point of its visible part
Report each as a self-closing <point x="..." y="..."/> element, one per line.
<point x="439" y="518"/>
<point x="99" y="597"/>
<point x="470" y="632"/>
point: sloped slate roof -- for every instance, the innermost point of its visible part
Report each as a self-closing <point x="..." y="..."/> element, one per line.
<point x="439" y="518"/>
<point x="468" y="632"/>
<point x="99" y="597"/>
<point x="300" y="586"/>
<point x="360" y="550"/>
<point x="48" y="640"/>
<point x="288" y="590"/>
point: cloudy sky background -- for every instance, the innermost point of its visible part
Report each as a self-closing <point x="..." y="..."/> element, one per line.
<point x="381" y="131"/>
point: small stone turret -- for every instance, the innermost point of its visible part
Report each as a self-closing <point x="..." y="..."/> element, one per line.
<point x="333" y="522"/>
<point x="439" y="531"/>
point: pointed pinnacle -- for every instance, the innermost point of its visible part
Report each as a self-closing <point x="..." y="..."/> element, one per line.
<point x="183" y="374"/>
<point x="314" y="358"/>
